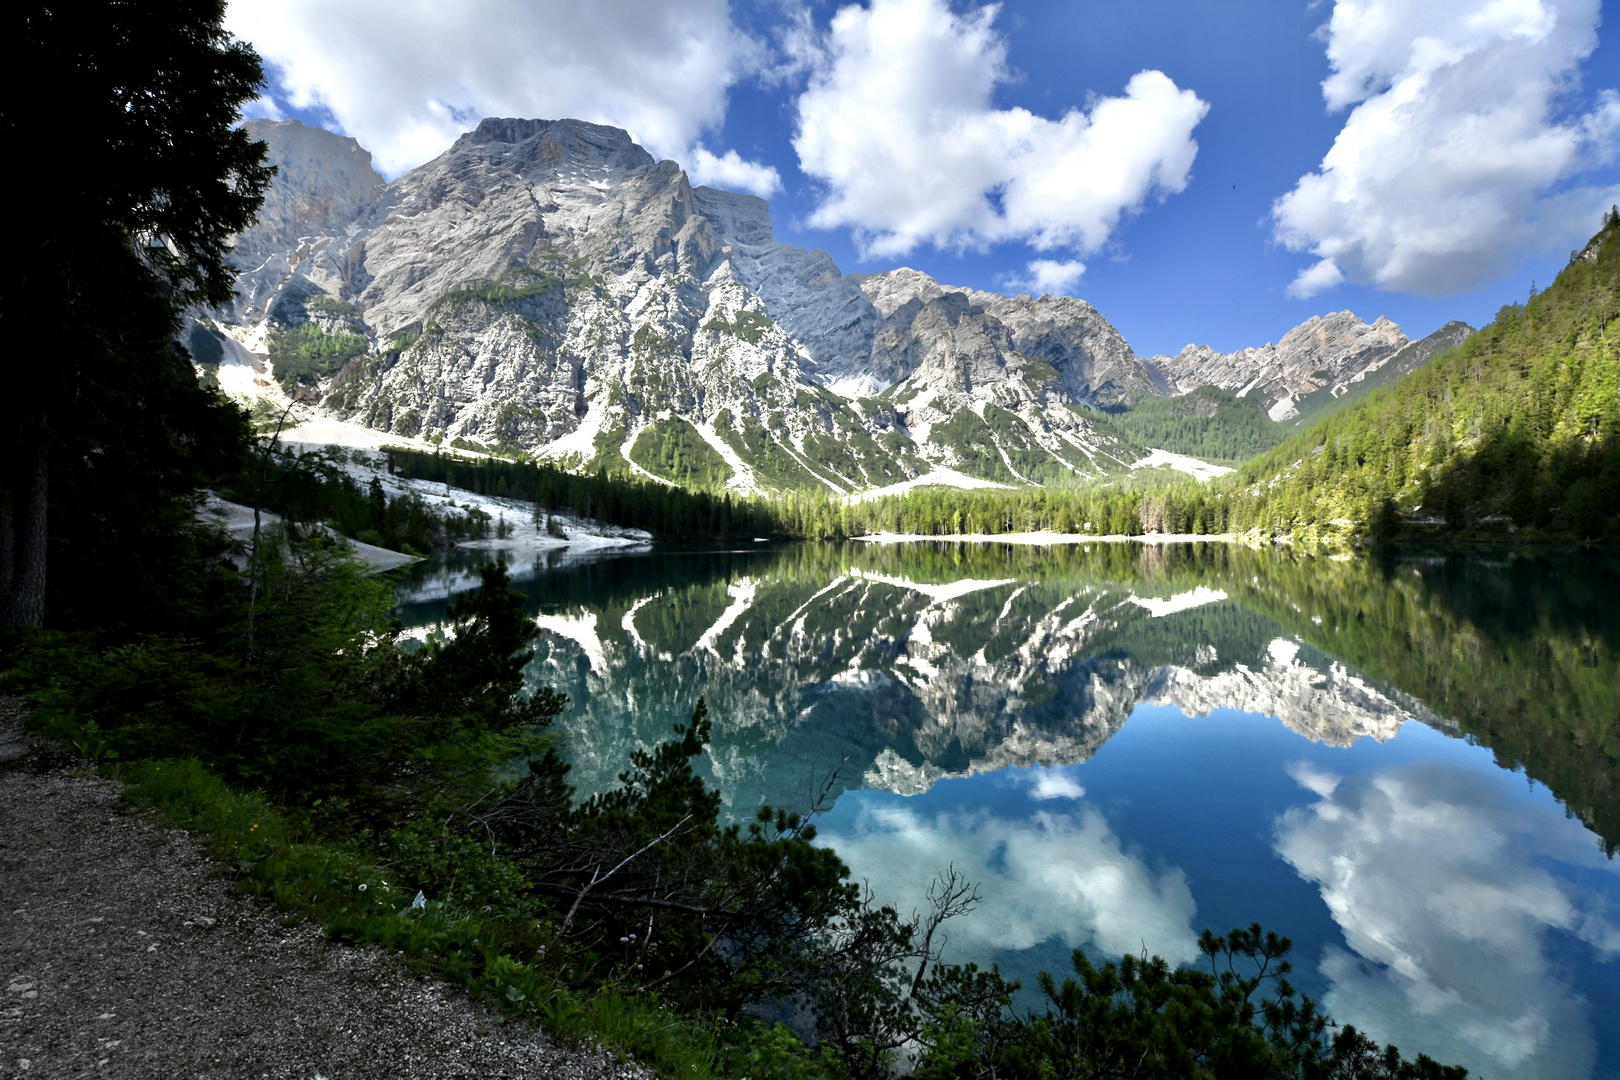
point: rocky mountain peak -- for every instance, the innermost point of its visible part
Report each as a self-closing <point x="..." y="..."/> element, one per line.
<point x="1322" y="353"/>
<point x="893" y="289"/>
<point x="324" y="184"/>
<point x="738" y="218"/>
<point x="534" y="147"/>
<point x="548" y="286"/>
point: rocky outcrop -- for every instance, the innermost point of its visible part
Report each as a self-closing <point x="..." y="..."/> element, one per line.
<point x="306" y="229"/>
<point x="548" y="286"/>
<point x="988" y="383"/>
<point x="1386" y="371"/>
<point x="1321" y="353"/>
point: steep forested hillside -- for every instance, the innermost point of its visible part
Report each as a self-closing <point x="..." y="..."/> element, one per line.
<point x="1208" y="423"/>
<point x="1517" y="431"/>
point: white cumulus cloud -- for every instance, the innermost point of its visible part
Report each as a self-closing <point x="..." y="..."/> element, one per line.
<point x="730" y="170"/>
<point x="1320" y="276"/>
<point x="1043" y="276"/>
<point x="1459" y="154"/>
<point x="407" y="78"/>
<point x="1049" y="783"/>
<point x="1442" y="888"/>
<point x="899" y="124"/>
<point x="1064" y="876"/>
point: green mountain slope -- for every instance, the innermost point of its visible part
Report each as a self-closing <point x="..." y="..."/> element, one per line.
<point x="1515" y="432"/>
<point x="1208" y="423"/>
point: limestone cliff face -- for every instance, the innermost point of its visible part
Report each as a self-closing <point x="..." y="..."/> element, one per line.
<point x="986" y="383"/>
<point x="1322" y="352"/>
<point x="550" y="287"/>
<point x="306" y="228"/>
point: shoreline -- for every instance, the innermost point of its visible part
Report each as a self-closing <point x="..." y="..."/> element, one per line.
<point x="236" y="522"/>
<point x="1044" y="538"/>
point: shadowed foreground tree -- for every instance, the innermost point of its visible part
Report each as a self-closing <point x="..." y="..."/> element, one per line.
<point x="130" y="110"/>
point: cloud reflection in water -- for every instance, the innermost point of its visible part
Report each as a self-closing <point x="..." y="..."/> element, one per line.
<point x="1050" y="875"/>
<point x="1441" y="886"/>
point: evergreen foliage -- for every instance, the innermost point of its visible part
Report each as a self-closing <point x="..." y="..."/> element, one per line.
<point x="747" y="325"/>
<point x="305" y="354"/>
<point x="771" y="463"/>
<point x="315" y="488"/>
<point x="1515" y="433"/>
<point x="975" y="446"/>
<point x="204" y="346"/>
<point x="1032" y="461"/>
<point x="518" y="284"/>
<point x="288" y="677"/>
<point x="673" y="449"/>
<point x="1518" y="430"/>
<point x="292" y="682"/>
<point x="382" y="756"/>
<point x="106" y="428"/>
<point x="666" y="512"/>
<point x="1097" y="510"/>
<point x="156" y="91"/>
<point x="1208" y="423"/>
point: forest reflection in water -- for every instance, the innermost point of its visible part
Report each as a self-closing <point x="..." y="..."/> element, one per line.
<point x="1128" y="743"/>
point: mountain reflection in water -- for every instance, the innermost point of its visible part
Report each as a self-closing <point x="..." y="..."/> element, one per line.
<point x="1126" y="744"/>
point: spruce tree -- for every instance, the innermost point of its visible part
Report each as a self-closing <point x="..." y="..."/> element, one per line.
<point x="104" y="418"/>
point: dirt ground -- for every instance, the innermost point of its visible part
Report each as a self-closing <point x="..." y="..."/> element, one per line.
<point x="124" y="953"/>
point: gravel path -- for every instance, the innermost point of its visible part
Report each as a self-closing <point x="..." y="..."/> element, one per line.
<point x="123" y="953"/>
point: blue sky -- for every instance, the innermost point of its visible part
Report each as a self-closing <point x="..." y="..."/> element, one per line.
<point x="1173" y="148"/>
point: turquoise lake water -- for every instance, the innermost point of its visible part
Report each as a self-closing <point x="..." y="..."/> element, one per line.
<point x="1409" y="766"/>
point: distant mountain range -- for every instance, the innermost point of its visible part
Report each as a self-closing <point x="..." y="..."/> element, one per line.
<point x="547" y="287"/>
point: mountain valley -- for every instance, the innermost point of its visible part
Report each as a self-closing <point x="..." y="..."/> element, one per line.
<point x="549" y="289"/>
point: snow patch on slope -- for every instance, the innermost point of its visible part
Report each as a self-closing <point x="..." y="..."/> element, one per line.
<point x="1194" y="467"/>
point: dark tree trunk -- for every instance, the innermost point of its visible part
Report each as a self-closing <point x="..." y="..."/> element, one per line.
<point x="22" y="533"/>
<point x="7" y="541"/>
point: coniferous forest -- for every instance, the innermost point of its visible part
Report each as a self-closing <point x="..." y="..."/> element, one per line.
<point x="1511" y="436"/>
<point x="1209" y="423"/>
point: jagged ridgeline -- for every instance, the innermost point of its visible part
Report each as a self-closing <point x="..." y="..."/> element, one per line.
<point x="547" y="289"/>
<point x="1517" y="431"/>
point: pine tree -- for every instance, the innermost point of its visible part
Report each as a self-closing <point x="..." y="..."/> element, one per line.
<point x="103" y="403"/>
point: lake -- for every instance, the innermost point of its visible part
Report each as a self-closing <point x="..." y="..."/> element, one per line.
<point x="1410" y="766"/>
